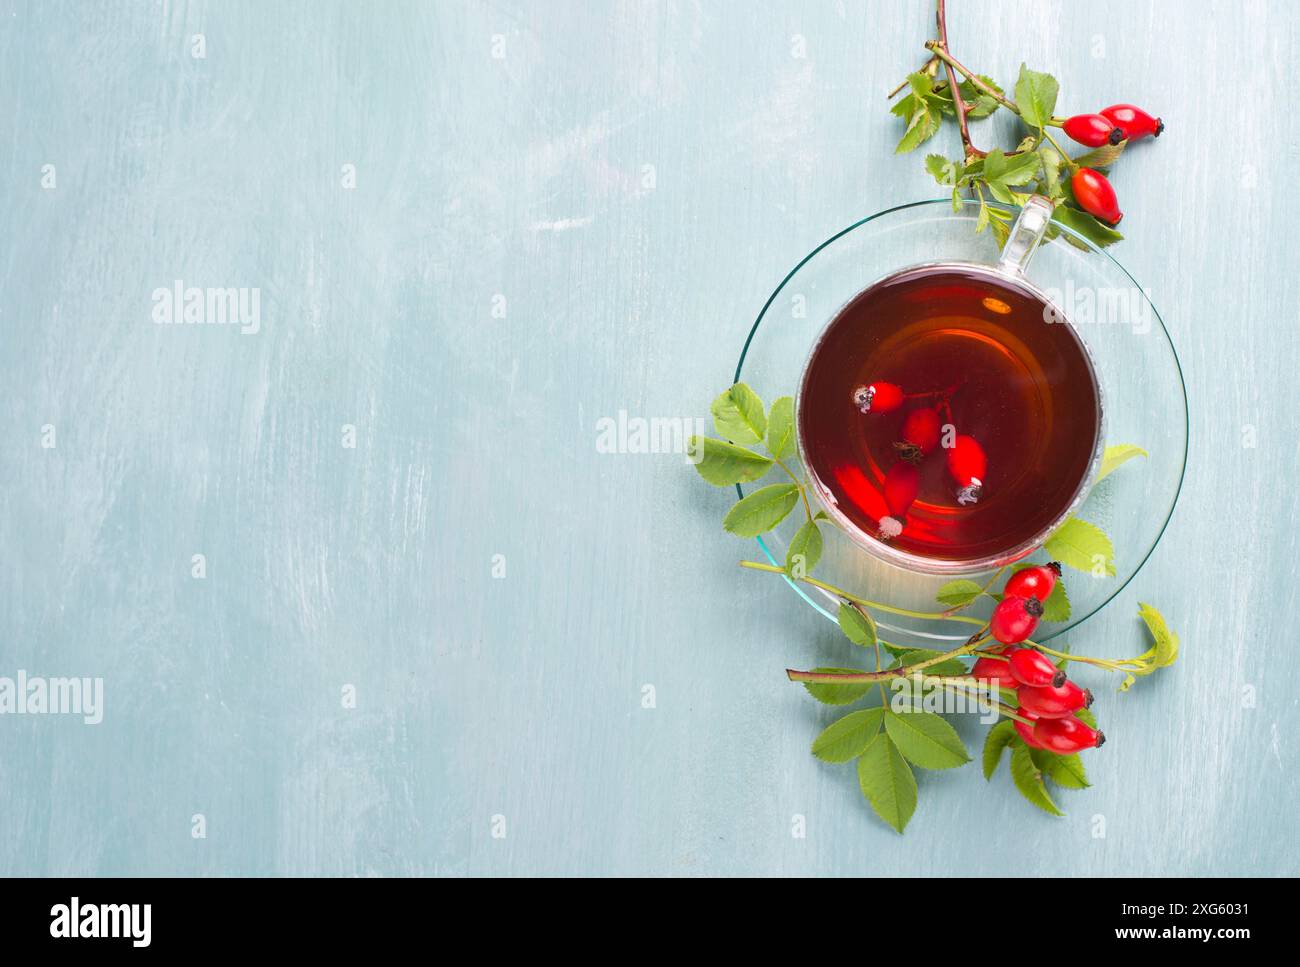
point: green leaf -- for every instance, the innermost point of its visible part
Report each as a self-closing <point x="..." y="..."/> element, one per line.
<point x="952" y="666"/>
<point x="847" y="738"/>
<point x="739" y="416"/>
<point x="887" y="782"/>
<point x="1051" y="164"/>
<point x="831" y="694"/>
<point x="858" y="626"/>
<point x="1166" y="642"/>
<point x="926" y="739"/>
<point x="958" y="594"/>
<point x="1025" y="774"/>
<point x="1066" y="771"/>
<point x="1116" y="457"/>
<point x="722" y="464"/>
<point x="920" y="128"/>
<point x="805" y="550"/>
<point x="1085" y="716"/>
<point x="945" y="172"/>
<point x="999" y="738"/>
<point x="1018" y="169"/>
<point x="1083" y="546"/>
<point x="1102" y="157"/>
<point x="780" y="427"/>
<point x="1057" y="605"/>
<point x="762" y="510"/>
<point x="980" y="104"/>
<point x="922" y="85"/>
<point x="1036" y="96"/>
<point x="1087" y="226"/>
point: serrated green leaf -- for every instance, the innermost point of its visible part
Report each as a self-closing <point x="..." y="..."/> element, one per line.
<point x="926" y="739"/>
<point x="1036" y="96"/>
<point x="1115" y="457"/>
<point x="1166" y="642"/>
<point x="847" y="738"/>
<point x="723" y="464"/>
<point x="1102" y="157"/>
<point x="831" y="694"/>
<point x="1067" y="771"/>
<point x="780" y="428"/>
<point x="887" y="782"/>
<point x="1085" y="716"/>
<point x="858" y="626"/>
<point x="922" y="126"/>
<point x="958" y="594"/>
<point x="762" y="510"/>
<point x="981" y="105"/>
<point x="982" y="221"/>
<point x="739" y="416"/>
<point x="922" y="85"/>
<point x="1082" y="546"/>
<point x="805" y="550"/>
<point x="1087" y="226"/>
<point x="1017" y="169"/>
<point x="999" y="738"/>
<point x="1057" y="605"/>
<point x="944" y="171"/>
<point x="1025" y="774"/>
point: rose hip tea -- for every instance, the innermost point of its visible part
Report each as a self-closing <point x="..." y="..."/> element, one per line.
<point x="942" y="415"/>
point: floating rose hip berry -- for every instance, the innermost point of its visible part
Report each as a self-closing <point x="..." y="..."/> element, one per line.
<point x="1133" y="121"/>
<point x="1033" y="582"/>
<point x="1015" y="618"/>
<point x="1067" y="735"/>
<point x="1095" y="195"/>
<point x="995" y="670"/>
<point x="1055" y="702"/>
<point x="1026" y="732"/>
<point x="966" y="464"/>
<point x="878" y="398"/>
<point x="1094" y="130"/>
<point x="1032" y="668"/>
<point x="920" y="433"/>
<point x="902" y="483"/>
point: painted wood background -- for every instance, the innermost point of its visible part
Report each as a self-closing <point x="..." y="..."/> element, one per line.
<point x="553" y="213"/>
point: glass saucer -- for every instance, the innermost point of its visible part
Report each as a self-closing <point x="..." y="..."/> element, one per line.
<point x="1137" y="367"/>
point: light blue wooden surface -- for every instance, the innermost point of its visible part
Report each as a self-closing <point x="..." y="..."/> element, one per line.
<point x="628" y="181"/>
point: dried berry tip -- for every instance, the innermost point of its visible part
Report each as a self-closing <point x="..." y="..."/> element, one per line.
<point x="1101" y="737"/>
<point x="1087" y="698"/>
<point x="1055" y="566"/>
<point x="1058" y="679"/>
<point x="1034" y="607"/>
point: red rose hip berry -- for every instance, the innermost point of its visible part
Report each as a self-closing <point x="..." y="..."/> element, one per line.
<point x="967" y="464"/>
<point x="1015" y="618"/>
<point x="1067" y="735"/>
<point x="1026" y="732"/>
<point x="1032" y="668"/>
<point x="1094" y="130"/>
<point x="996" y="671"/>
<point x="1096" y="196"/>
<point x="902" y="483"/>
<point x="920" y="433"/>
<point x="878" y="397"/>
<point x="1133" y="121"/>
<point x="1055" y="702"/>
<point x="1033" y="582"/>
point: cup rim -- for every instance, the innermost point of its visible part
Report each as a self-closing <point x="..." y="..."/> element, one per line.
<point x="915" y="563"/>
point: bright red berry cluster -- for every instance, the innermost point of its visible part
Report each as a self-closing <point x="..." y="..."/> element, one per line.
<point x="1119" y="122"/>
<point x="919" y="434"/>
<point x="1047" y="698"/>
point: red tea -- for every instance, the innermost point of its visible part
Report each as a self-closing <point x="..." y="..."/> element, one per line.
<point x="973" y="347"/>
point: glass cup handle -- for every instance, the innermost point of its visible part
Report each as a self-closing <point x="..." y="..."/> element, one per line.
<point x="1026" y="233"/>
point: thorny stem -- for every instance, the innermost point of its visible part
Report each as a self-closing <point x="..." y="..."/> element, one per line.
<point x="959" y="103"/>
<point x="940" y="49"/>
<point x="854" y="599"/>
